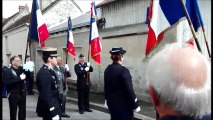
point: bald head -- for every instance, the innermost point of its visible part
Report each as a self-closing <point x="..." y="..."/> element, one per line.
<point x="188" y="67"/>
<point x="181" y="77"/>
<point x="59" y="61"/>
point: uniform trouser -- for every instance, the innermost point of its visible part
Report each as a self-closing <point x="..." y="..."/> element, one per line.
<point x="17" y="100"/>
<point x="63" y="101"/>
<point x="47" y="115"/>
<point x="49" y="118"/>
<point x="29" y="81"/>
<point x="121" y="114"/>
<point x="83" y="98"/>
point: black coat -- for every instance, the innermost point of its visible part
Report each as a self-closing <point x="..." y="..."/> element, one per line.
<point x="118" y="87"/>
<point x="48" y="93"/>
<point x="11" y="77"/>
<point x="81" y="75"/>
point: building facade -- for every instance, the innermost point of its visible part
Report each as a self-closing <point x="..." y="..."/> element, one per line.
<point x="125" y="26"/>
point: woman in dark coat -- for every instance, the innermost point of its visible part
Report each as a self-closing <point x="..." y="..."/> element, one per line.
<point x="119" y="94"/>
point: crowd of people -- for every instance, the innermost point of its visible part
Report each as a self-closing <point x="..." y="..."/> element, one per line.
<point x="178" y="80"/>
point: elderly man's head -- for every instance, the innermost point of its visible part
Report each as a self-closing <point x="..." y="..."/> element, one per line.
<point x="179" y="81"/>
<point x="59" y="61"/>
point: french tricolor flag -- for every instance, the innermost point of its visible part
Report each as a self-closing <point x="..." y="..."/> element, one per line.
<point x="70" y="39"/>
<point x="184" y="34"/>
<point x="38" y="29"/>
<point x="94" y="40"/>
<point x="162" y="14"/>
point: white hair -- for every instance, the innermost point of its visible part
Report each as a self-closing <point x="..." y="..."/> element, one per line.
<point x="170" y="82"/>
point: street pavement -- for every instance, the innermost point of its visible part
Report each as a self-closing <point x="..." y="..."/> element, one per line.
<point x="71" y="109"/>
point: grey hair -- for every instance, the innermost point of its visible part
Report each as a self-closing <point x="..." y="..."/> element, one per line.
<point x="181" y="98"/>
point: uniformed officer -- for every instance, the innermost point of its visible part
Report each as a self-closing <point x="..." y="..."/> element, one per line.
<point x="82" y="70"/>
<point x="14" y="77"/>
<point x="48" y="105"/>
<point x="61" y="73"/>
<point x="119" y="94"/>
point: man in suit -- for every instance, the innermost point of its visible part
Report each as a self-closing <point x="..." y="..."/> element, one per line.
<point x="14" y="77"/>
<point x="48" y="105"/>
<point x="62" y="74"/>
<point x="82" y="70"/>
<point x="179" y="83"/>
<point x="119" y="93"/>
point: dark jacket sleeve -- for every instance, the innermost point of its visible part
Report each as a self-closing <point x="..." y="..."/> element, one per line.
<point x="105" y="85"/>
<point x="65" y="72"/>
<point x="45" y="92"/>
<point x="90" y="69"/>
<point x="127" y="79"/>
<point x="4" y="72"/>
<point x="78" y="70"/>
<point x="9" y="78"/>
<point x="68" y="74"/>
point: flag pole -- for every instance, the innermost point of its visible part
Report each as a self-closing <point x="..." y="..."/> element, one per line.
<point x="25" y="59"/>
<point x="88" y="74"/>
<point x="65" y="75"/>
<point x="67" y="40"/>
<point x="203" y="30"/>
<point x="207" y="46"/>
<point x="28" y="41"/>
<point x="190" y="24"/>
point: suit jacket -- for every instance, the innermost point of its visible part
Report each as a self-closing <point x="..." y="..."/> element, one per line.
<point x="60" y="79"/>
<point x="81" y="75"/>
<point x="11" y="77"/>
<point x="48" y="100"/>
<point x="118" y="87"/>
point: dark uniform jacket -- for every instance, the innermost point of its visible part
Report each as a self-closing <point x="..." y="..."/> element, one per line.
<point x="81" y="75"/>
<point x="13" y="81"/>
<point x="48" y="100"/>
<point x="118" y="87"/>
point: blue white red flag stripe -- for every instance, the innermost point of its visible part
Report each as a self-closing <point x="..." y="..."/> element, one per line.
<point x="184" y="34"/>
<point x="165" y="13"/>
<point x="70" y="39"/>
<point x="94" y="40"/>
<point x="38" y="29"/>
<point x="194" y="13"/>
